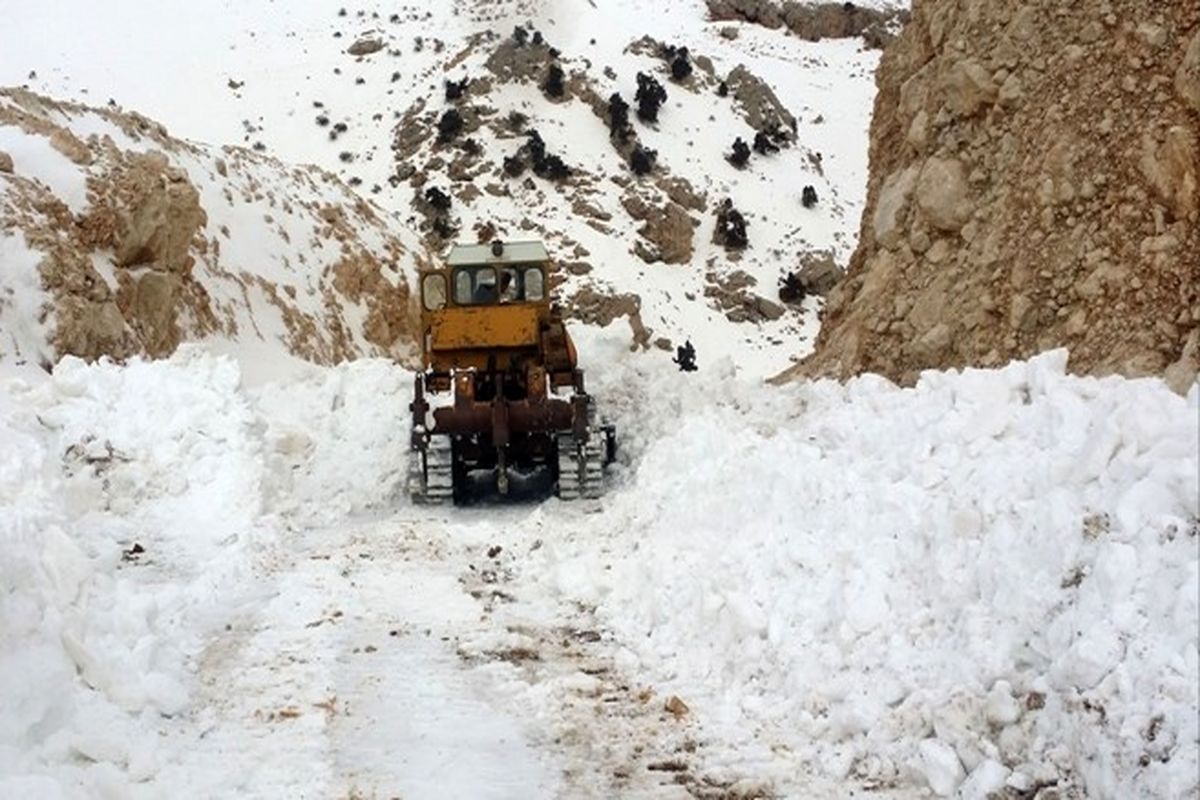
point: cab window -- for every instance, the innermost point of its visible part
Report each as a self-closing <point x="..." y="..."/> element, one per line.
<point x="483" y="285"/>
<point x="510" y="285"/>
<point x="474" y="286"/>
<point x="534" y="290"/>
<point x="433" y="291"/>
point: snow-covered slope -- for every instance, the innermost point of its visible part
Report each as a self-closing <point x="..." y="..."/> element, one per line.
<point x="120" y="239"/>
<point x="253" y="76"/>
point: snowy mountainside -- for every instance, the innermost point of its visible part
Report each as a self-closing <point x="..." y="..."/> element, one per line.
<point x="295" y="87"/>
<point x="119" y="239"/>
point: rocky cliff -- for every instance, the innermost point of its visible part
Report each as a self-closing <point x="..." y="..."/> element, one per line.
<point x="117" y="239"/>
<point x="1033" y="184"/>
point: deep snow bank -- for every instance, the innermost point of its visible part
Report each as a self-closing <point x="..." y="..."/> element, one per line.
<point x="201" y="475"/>
<point x="990" y="577"/>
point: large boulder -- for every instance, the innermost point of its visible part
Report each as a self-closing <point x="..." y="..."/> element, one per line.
<point x="157" y="213"/>
<point x="942" y="193"/>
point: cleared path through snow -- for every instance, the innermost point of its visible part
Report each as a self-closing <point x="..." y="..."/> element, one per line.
<point x="405" y="657"/>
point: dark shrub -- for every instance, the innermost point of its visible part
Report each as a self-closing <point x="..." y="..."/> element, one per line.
<point x="450" y="125"/>
<point x="740" y="154"/>
<point x="649" y="97"/>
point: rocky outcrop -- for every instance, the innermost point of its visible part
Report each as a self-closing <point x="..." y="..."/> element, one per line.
<point x="1187" y="79"/>
<point x="814" y="21"/>
<point x="819" y="273"/>
<point x="592" y="307"/>
<point x="362" y="278"/>
<point x="667" y="230"/>
<point x="1033" y="184"/>
<point x="759" y="105"/>
<point x="147" y="213"/>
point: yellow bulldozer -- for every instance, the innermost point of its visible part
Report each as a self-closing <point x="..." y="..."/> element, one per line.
<point x="500" y="407"/>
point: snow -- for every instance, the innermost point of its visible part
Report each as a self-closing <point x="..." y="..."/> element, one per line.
<point x="982" y="581"/>
<point x="837" y="564"/>
<point x="33" y="156"/>
<point x="25" y="336"/>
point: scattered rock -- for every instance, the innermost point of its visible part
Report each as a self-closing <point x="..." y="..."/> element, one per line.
<point x="818" y="272"/>
<point x="70" y="146"/>
<point x="1172" y="168"/>
<point x="155" y="211"/>
<point x="595" y="308"/>
<point x="668" y="228"/>
<point x="757" y="103"/>
<point x="767" y="309"/>
<point x="1182" y="374"/>
<point x="365" y="46"/>
<point x="887" y="220"/>
<point x="676" y="707"/>
<point x="968" y="88"/>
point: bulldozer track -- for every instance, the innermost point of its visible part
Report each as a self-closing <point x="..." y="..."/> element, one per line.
<point x="580" y="468"/>
<point x="431" y="474"/>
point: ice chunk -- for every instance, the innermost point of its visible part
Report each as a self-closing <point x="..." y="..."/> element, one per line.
<point x="939" y="765"/>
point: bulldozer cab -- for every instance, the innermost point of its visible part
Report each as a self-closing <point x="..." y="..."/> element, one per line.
<point x="489" y="308"/>
<point x="482" y="275"/>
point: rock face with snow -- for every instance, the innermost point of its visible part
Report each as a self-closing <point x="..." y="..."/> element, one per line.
<point x="814" y="21"/>
<point x="1035" y="182"/>
<point x="122" y="240"/>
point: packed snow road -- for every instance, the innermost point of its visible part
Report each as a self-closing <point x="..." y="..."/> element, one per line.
<point x="398" y="657"/>
<point x="987" y="582"/>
